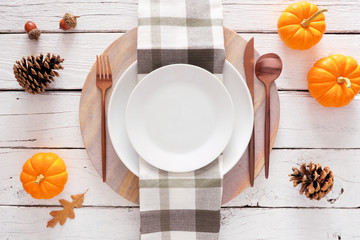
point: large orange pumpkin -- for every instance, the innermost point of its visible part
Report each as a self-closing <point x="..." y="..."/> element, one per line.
<point x="44" y="175"/>
<point x="335" y="80"/>
<point x="301" y="25"/>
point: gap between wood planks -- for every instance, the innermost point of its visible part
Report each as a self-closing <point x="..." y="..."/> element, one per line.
<point x="136" y="207"/>
<point x="330" y="32"/>
<point x="79" y="90"/>
<point x="80" y="148"/>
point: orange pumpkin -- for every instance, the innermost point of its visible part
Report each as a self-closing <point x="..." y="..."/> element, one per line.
<point x="301" y="25"/>
<point x="335" y="80"/>
<point x="44" y="175"/>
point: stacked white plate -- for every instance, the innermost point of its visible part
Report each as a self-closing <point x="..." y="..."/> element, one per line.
<point x="180" y="118"/>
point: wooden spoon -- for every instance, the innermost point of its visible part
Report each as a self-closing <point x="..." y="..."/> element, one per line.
<point x="267" y="69"/>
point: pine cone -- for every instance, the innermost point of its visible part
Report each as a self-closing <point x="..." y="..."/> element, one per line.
<point x="315" y="181"/>
<point x="34" y="74"/>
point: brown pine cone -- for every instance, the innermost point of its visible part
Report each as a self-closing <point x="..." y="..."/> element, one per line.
<point x="315" y="181"/>
<point x="35" y="74"/>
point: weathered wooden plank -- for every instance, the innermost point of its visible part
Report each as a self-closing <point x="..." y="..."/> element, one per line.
<point x="306" y="124"/>
<point x="79" y="51"/>
<point x="109" y="15"/>
<point x="120" y="223"/>
<point x="51" y="120"/>
<point x="277" y="191"/>
<point x="284" y="224"/>
<point x="263" y="16"/>
<point x="275" y="2"/>
<point x="89" y="223"/>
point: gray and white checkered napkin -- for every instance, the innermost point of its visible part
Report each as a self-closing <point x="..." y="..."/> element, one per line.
<point x="180" y="205"/>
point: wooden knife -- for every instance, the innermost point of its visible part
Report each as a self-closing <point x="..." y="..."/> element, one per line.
<point x="249" y="72"/>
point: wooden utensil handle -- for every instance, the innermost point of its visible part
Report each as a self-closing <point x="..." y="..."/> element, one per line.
<point x="252" y="158"/>
<point x="267" y="131"/>
<point x="103" y="136"/>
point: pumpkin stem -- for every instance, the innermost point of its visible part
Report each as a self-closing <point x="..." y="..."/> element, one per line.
<point x="306" y="22"/>
<point x="341" y="80"/>
<point x="39" y="179"/>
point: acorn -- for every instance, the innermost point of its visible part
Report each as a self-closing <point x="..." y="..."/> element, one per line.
<point x="68" y="21"/>
<point x="32" y="30"/>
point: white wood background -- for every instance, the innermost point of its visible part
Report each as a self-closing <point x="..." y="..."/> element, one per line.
<point x="273" y="209"/>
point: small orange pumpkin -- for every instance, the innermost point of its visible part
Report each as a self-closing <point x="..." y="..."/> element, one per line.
<point x="301" y="25"/>
<point x="335" y="80"/>
<point x="44" y="175"/>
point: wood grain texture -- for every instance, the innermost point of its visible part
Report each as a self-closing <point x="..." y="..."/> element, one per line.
<point x="110" y="15"/>
<point x="325" y="127"/>
<point x="276" y="192"/>
<point x="74" y="48"/>
<point x="243" y="223"/>
<point x="119" y="178"/>
<point x="79" y="55"/>
<point x="51" y="120"/>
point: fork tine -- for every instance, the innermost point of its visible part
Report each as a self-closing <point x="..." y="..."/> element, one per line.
<point x="97" y="67"/>
<point x="109" y="68"/>
<point x="105" y="68"/>
<point x="101" y="67"/>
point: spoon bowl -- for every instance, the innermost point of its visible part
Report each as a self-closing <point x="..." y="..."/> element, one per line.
<point x="267" y="69"/>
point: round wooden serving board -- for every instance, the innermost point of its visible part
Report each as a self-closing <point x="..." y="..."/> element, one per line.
<point x="122" y="53"/>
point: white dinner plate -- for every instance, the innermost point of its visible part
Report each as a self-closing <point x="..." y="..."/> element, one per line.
<point x="243" y="118"/>
<point x="179" y="118"/>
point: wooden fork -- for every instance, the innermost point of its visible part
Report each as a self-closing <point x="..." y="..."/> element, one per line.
<point x="103" y="82"/>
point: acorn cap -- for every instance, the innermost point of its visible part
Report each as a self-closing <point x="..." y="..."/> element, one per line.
<point x="70" y="20"/>
<point x="34" y="34"/>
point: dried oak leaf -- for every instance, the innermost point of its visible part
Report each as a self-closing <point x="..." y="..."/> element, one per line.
<point x="68" y="211"/>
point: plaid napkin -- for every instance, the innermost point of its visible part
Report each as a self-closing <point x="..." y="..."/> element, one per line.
<point x="182" y="206"/>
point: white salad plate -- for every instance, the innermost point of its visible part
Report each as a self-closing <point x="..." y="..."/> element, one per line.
<point x="179" y="118"/>
<point x="242" y="128"/>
